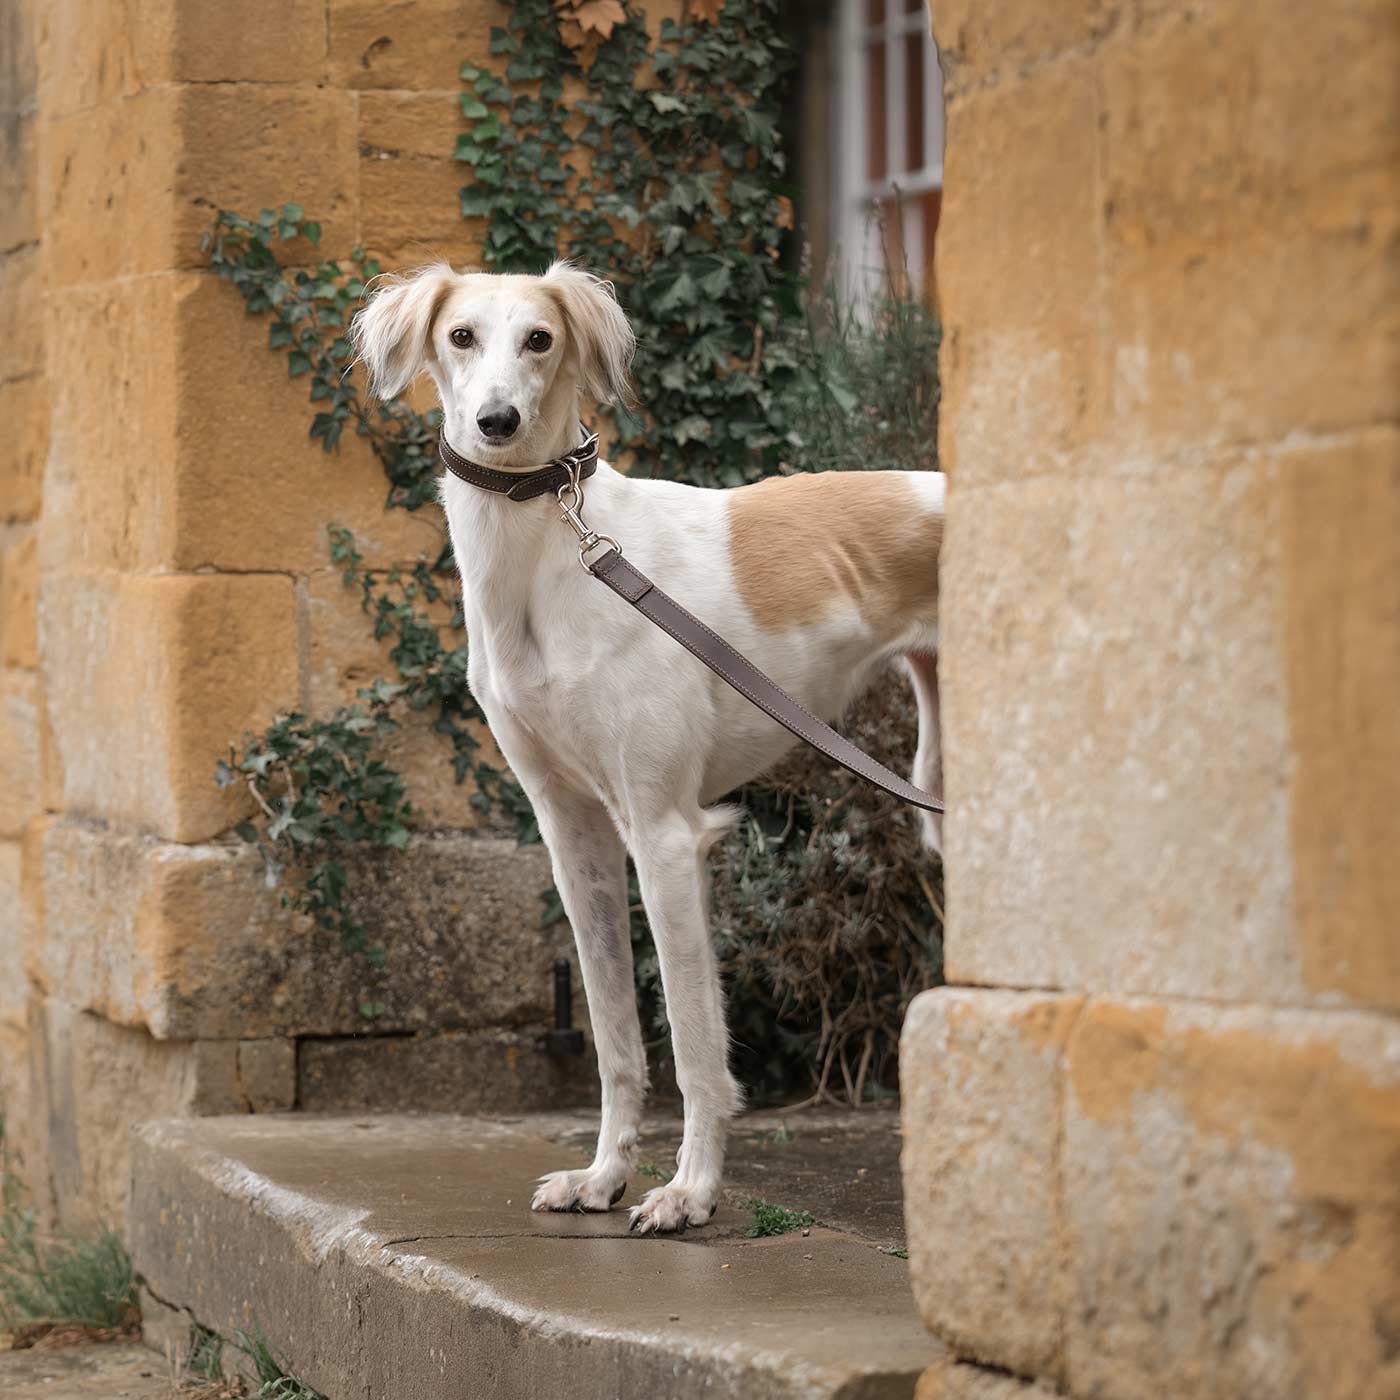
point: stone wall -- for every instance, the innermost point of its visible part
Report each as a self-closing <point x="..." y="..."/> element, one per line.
<point x="165" y="586"/>
<point x="1153" y="1127"/>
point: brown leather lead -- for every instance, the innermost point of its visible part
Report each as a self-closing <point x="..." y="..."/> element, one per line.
<point x="658" y="607"/>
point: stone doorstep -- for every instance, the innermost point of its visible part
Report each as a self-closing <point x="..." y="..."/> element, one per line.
<point x="397" y="1257"/>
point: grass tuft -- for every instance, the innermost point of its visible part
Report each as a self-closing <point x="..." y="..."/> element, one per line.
<point x="773" y="1220"/>
<point x="270" y="1369"/>
<point x="87" y="1282"/>
<point x="81" y="1282"/>
<point x="206" y="1353"/>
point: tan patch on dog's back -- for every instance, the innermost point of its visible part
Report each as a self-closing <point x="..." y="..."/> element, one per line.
<point x="806" y="546"/>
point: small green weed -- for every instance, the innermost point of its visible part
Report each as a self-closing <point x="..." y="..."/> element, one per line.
<point x="88" y="1282"/>
<point x="93" y="1281"/>
<point x="782" y="1135"/>
<point x="206" y="1353"/>
<point x="773" y="1220"/>
<point x="270" y="1369"/>
<point x="895" y="1253"/>
<point x="656" y="1174"/>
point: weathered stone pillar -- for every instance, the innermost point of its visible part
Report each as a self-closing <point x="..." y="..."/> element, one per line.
<point x="182" y="585"/>
<point x="24" y="421"/>
<point x="1153" y="1126"/>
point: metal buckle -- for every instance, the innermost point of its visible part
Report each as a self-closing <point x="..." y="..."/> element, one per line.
<point x="589" y="539"/>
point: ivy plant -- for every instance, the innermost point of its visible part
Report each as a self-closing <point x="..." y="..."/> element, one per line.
<point x="667" y="176"/>
<point x="322" y="784"/>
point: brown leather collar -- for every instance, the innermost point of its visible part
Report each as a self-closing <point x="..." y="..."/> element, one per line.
<point x="524" y="486"/>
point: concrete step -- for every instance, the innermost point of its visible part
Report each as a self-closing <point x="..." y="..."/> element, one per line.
<point x="396" y="1258"/>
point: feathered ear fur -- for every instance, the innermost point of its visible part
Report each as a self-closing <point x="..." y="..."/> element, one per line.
<point x="598" y="329"/>
<point x="392" y="333"/>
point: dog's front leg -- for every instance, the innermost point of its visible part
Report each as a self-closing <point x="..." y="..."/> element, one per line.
<point x="669" y="853"/>
<point x="590" y="870"/>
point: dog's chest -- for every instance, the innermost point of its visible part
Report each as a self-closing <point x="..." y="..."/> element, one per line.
<point x="534" y="692"/>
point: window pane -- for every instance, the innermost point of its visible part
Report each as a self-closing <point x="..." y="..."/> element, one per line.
<point x="916" y="98"/>
<point x="874" y="11"/>
<point x="911" y="5"/>
<point x="875" y="159"/>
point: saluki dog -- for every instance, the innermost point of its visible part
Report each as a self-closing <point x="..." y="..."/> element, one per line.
<point x="622" y="740"/>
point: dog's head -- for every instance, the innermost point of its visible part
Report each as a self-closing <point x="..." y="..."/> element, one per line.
<point x="511" y="355"/>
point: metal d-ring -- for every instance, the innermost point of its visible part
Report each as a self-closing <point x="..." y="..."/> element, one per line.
<point x="589" y="545"/>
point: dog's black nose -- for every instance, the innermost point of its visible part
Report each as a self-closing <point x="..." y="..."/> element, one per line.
<point x="498" y="421"/>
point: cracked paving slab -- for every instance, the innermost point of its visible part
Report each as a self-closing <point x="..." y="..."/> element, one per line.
<point x="398" y="1256"/>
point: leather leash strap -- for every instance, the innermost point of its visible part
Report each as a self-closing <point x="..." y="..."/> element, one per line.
<point x="633" y="586"/>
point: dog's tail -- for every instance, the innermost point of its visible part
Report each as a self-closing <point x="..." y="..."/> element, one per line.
<point x="922" y="667"/>
<point x="717" y="823"/>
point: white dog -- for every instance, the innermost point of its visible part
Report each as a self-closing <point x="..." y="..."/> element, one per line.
<point x="619" y="736"/>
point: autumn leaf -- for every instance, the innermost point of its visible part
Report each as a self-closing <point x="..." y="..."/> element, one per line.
<point x="784" y="215"/>
<point x="600" y="16"/>
<point x="707" y="10"/>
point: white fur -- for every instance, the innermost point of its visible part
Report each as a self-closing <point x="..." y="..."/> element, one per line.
<point x="619" y="737"/>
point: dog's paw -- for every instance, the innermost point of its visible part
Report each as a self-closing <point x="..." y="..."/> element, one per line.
<point x="580" y="1190"/>
<point x="670" y="1208"/>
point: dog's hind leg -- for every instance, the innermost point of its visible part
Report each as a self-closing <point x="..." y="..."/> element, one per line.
<point x="669" y="853"/>
<point x="928" y="758"/>
<point x="590" y="870"/>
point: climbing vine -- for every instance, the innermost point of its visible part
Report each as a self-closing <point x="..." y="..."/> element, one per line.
<point x="322" y="784"/>
<point x="657" y="162"/>
<point x="667" y="177"/>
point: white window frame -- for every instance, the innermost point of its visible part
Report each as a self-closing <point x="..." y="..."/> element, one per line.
<point x="855" y="232"/>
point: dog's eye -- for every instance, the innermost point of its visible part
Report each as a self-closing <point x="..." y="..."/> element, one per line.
<point x="540" y="341"/>
<point x="461" y="337"/>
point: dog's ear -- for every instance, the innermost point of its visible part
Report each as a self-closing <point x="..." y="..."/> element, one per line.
<point x="392" y="333"/>
<point x="598" y="329"/>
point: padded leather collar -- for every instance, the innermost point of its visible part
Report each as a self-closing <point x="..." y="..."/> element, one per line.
<point x="524" y="486"/>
